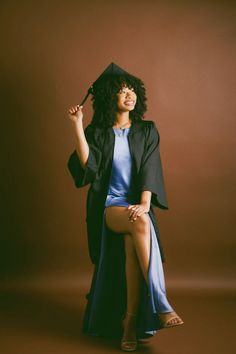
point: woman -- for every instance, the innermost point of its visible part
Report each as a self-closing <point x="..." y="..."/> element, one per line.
<point x="118" y="154"/>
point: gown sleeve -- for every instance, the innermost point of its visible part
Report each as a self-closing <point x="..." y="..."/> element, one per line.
<point x="82" y="176"/>
<point x="151" y="174"/>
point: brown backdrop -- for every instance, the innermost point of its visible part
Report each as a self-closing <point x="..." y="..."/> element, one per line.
<point x="185" y="54"/>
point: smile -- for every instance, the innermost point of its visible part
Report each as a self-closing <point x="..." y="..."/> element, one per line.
<point x="129" y="102"/>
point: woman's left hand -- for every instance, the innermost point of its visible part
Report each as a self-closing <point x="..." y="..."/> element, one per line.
<point x="137" y="210"/>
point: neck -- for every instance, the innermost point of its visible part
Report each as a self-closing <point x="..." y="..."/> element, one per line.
<point x="122" y="118"/>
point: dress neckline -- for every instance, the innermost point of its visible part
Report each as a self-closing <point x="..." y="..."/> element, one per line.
<point x="135" y="126"/>
<point x="121" y="128"/>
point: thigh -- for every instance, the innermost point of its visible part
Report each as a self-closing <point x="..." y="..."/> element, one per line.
<point x="117" y="219"/>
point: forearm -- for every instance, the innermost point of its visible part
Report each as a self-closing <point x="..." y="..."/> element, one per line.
<point x="146" y="198"/>
<point x="82" y="147"/>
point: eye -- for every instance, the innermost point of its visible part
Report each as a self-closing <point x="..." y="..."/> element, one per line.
<point x="125" y="89"/>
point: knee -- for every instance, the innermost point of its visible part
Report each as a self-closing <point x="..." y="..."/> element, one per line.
<point x="142" y="224"/>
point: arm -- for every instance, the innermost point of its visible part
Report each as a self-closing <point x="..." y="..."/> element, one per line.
<point x="82" y="147"/>
<point x="84" y="162"/>
<point x="151" y="174"/>
<point x="146" y="198"/>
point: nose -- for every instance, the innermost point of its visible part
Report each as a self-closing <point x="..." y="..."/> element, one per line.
<point x="129" y="94"/>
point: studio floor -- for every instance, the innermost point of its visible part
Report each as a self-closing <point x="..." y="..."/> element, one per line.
<point x="47" y="319"/>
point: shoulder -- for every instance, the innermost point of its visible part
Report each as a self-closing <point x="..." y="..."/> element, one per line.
<point x="89" y="128"/>
<point x="149" y="124"/>
<point x="151" y="129"/>
<point x="92" y="130"/>
<point x="94" y="134"/>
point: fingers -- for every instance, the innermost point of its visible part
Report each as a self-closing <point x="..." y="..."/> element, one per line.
<point x="131" y="207"/>
<point x="135" y="212"/>
<point x="74" y="109"/>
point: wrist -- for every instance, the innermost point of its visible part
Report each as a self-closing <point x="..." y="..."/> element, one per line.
<point x="145" y="204"/>
<point x="78" y="122"/>
<point x="145" y="199"/>
<point x="78" y="127"/>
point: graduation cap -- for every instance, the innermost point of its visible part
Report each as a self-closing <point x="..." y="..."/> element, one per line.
<point x="111" y="71"/>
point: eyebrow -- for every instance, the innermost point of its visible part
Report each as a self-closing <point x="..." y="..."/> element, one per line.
<point x="125" y="87"/>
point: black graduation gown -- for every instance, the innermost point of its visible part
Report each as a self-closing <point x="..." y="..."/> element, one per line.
<point x="144" y="143"/>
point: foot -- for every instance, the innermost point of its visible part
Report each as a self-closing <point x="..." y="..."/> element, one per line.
<point x="170" y="319"/>
<point x="129" y="339"/>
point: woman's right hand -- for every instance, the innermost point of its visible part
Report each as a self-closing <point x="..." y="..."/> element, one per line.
<point x="75" y="113"/>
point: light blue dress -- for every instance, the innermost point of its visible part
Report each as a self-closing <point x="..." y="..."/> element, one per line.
<point x="119" y="187"/>
<point x="118" y="194"/>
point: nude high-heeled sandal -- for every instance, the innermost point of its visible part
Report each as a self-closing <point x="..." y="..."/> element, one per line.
<point x="127" y="345"/>
<point x="170" y="323"/>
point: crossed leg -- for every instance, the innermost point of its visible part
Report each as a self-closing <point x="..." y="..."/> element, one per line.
<point x="117" y="219"/>
<point x="137" y="249"/>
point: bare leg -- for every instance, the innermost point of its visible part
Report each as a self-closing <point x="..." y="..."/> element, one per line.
<point x="134" y="279"/>
<point x="117" y="219"/>
<point x="141" y="240"/>
<point x="133" y="275"/>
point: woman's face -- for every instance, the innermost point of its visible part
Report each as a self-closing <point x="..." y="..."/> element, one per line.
<point x="126" y="99"/>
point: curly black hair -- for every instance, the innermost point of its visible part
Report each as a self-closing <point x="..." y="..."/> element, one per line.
<point x="105" y="99"/>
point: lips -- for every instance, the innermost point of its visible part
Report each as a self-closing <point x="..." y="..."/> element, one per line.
<point x="129" y="102"/>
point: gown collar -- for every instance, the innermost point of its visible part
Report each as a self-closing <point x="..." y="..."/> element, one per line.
<point x="136" y="125"/>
